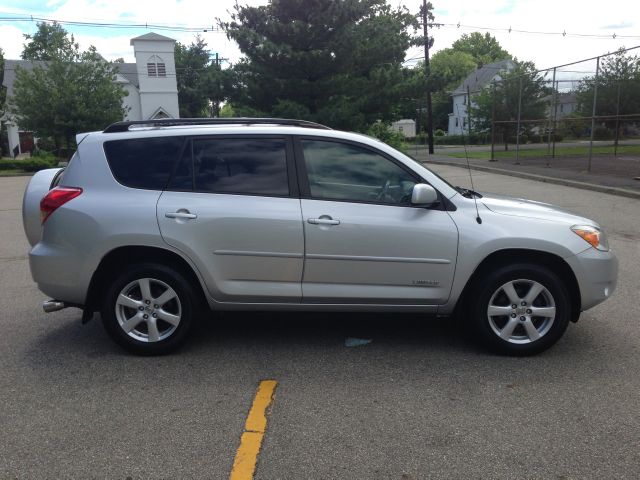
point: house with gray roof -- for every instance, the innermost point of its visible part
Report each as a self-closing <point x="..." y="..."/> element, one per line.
<point x="150" y="83"/>
<point x="475" y="82"/>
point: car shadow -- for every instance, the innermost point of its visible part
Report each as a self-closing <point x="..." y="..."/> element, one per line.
<point x="263" y="344"/>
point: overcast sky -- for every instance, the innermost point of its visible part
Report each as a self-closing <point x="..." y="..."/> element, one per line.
<point x="590" y="17"/>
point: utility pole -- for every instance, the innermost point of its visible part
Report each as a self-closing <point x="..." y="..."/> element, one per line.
<point x="216" y="104"/>
<point x="427" y="76"/>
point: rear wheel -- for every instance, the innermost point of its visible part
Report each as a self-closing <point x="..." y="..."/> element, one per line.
<point x="521" y="309"/>
<point x="149" y="309"/>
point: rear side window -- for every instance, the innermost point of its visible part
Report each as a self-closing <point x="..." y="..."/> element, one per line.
<point x="252" y="166"/>
<point x="143" y="162"/>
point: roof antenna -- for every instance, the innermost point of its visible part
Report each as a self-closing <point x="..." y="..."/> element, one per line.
<point x="466" y="155"/>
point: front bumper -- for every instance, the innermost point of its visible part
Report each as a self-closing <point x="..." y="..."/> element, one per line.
<point x="597" y="275"/>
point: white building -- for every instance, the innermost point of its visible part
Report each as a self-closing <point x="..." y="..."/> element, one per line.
<point x="566" y="103"/>
<point x="150" y="83"/>
<point x="473" y="84"/>
<point x="405" y="126"/>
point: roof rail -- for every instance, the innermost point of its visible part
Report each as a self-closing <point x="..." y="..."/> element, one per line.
<point x="174" y="122"/>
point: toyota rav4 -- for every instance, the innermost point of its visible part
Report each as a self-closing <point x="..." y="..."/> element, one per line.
<point x="154" y="222"/>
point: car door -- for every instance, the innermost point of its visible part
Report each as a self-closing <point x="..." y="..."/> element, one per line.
<point x="364" y="241"/>
<point x="233" y="208"/>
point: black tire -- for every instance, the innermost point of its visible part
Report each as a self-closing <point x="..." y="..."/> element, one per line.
<point x="169" y="336"/>
<point x="522" y="341"/>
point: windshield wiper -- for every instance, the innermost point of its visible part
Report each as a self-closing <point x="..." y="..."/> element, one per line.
<point x="467" y="192"/>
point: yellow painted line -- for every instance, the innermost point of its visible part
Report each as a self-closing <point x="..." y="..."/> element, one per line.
<point x="244" y="465"/>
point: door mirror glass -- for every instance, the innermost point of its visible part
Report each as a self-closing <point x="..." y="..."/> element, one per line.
<point x="423" y="194"/>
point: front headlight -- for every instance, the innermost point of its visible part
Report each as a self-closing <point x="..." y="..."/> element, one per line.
<point x="592" y="235"/>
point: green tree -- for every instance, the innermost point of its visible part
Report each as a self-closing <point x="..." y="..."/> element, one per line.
<point x="335" y="61"/>
<point x="618" y="88"/>
<point x="202" y="83"/>
<point x="192" y="62"/>
<point x="483" y="48"/>
<point x="449" y="67"/>
<point x="3" y="92"/>
<point x="73" y="92"/>
<point x="4" y="141"/>
<point x="50" y="41"/>
<point x="522" y="80"/>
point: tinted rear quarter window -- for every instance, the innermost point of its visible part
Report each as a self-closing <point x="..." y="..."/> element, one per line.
<point x="143" y="162"/>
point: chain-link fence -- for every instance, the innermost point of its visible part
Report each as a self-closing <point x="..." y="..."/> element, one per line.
<point x="583" y="116"/>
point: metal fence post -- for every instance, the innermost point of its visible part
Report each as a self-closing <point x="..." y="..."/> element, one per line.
<point x="615" y="144"/>
<point x="518" y="123"/>
<point x="552" y="113"/>
<point x="468" y="114"/>
<point x="593" y="113"/>
<point x="555" y="124"/>
<point x="493" y="121"/>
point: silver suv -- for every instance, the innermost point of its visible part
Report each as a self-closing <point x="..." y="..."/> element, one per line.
<point x="152" y="222"/>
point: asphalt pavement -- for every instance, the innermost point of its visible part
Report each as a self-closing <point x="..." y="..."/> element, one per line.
<point x="417" y="402"/>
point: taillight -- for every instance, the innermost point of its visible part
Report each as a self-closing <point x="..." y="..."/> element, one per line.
<point x="56" y="198"/>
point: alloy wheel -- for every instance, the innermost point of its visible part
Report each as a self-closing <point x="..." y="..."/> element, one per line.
<point x="521" y="311"/>
<point x="148" y="310"/>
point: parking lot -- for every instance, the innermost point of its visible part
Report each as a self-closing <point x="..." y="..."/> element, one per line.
<point x="419" y="401"/>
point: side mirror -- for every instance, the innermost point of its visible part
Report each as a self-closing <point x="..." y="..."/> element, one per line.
<point x="423" y="195"/>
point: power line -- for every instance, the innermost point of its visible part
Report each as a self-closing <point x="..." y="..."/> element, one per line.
<point x="117" y="25"/>
<point x="564" y="33"/>
<point x="9" y="17"/>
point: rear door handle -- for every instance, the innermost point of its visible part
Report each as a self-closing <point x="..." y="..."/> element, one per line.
<point x="323" y="220"/>
<point x="185" y="215"/>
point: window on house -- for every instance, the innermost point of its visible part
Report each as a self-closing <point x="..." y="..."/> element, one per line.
<point x="156" y="67"/>
<point x="456" y="121"/>
<point x="561" y="108"/>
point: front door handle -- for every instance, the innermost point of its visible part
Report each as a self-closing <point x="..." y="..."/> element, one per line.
<point x="323" y="220"/>
<point x="184" y="215"/>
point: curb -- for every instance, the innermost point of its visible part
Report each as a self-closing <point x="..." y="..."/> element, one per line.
<point x="621" y="192"/>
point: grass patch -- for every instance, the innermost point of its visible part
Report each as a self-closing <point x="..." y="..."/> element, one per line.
<point x="13" y="173"/>
<point x="542" y="152"/>
<point x="32" y="164"/>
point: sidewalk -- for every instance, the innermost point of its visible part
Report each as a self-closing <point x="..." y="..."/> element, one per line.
<point x="608" y="174"/>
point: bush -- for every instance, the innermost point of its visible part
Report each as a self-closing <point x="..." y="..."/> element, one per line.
<point x="43" y="155"/>
<point x="439" y="133"/>
<point x="31" y="164"/>
<point x="513" y="139"/>
<point x="473" y="139"/>
<point x="602" y="133"/>
<point x="384" y="133"/>
<point x="47" y="144"/>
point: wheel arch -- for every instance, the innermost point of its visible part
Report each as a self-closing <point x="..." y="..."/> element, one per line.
<point x="113" y="260"/>
<point x="509" y="256"/>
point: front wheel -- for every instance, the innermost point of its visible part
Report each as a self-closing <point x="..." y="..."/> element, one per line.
<point x="521" y="309"/>
<point x="149" y="309"/>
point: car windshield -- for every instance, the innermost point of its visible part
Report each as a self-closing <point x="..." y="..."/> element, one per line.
<point x="432" y="172"/>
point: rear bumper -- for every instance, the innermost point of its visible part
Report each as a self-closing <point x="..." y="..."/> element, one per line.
<point x="57" y="273"/>
<point x="597" y="275"/>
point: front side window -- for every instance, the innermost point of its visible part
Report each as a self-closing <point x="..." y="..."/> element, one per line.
<point x="341" y="171"/>
<point x="250" y="166"/>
